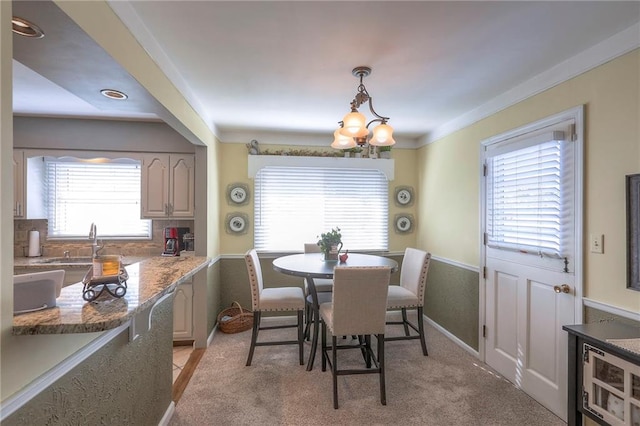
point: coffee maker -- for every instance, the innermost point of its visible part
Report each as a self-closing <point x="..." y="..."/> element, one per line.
<point x="171" y="242"/>
<point x="174" y="240"/>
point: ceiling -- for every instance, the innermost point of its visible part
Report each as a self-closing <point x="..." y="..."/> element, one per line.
<point x="260" y="69"/>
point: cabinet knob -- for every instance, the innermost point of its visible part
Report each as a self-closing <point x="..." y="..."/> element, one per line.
<point x="564" y="288"/>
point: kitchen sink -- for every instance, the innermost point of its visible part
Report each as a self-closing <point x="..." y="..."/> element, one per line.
<point x="67" y="260"/>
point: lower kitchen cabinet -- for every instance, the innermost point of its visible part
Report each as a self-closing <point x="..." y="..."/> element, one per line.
<point x="183" y="312"/>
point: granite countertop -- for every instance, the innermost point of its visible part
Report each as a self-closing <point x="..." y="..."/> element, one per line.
<point x="148" y="281"/>
<point x="46" y="262"/>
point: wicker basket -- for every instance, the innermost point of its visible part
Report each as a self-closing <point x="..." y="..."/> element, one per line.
<point x="235" y="319"/>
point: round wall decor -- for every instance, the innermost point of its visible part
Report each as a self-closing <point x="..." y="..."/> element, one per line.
<point x="403" y="223"/>
<point x="237" y="223"/>
<point x="404" y="196"/>
<point x="238" y="194"/>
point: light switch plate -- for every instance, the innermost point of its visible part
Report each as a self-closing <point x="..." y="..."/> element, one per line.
<point x="596" y="243"/>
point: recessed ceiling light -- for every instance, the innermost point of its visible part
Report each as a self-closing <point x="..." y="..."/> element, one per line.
<point x="114" y="94"/>
<point x="26" y="28"/>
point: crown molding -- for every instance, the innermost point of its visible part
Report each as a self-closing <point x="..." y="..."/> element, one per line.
<point x="603" y="52"/>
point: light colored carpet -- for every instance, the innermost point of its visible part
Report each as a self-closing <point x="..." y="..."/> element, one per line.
<point x="448" y="387"/>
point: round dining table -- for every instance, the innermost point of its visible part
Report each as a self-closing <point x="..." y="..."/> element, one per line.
<point x="311" y="266"/>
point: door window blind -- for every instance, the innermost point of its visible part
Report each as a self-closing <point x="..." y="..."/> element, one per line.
<point x="105" y="192"/>
<point x="294" y="205"/>
<point x="527" y="202"/>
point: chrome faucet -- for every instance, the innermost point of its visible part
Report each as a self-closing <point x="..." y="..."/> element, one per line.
<point x="93" y="235"/>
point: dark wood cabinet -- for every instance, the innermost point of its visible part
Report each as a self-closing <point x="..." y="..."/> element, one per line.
<point x="604" y="378"/>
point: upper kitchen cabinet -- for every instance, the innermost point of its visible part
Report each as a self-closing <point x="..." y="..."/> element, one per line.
<point x="168" y="186"/>
<point x="28" y="186"/>
<point x="19" y="193"/>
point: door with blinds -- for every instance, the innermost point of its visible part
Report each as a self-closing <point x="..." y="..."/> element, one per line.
<point x="530" y="257"/>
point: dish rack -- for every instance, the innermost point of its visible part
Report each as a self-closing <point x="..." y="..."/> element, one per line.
<point x="115" y="285"/>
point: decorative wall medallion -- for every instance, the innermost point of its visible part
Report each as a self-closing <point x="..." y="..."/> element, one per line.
<point x="404" y="196"/>
<point x="238" y="194"/>
<point x="237" y="223"/>
<point x="403" y="223"/>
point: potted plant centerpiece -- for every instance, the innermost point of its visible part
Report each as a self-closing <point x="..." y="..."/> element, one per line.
<point x="330" y="244"/>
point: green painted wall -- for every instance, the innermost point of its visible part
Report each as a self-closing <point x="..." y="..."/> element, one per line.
<point x="592" y="315"/>
<point x="213" y="296"/>
<point x="451" y="300"/>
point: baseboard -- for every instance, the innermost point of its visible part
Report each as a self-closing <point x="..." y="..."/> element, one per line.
<point x="212" y="334"/>
<point x="451" y="337"/>
<point x="168" y="414"/>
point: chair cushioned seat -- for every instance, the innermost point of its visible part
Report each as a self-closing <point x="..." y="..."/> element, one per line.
<point x="322" y="298"/>
<point x="400" y="297"/>
<point x="323" y="285"/>
<point x="282" y="299"/>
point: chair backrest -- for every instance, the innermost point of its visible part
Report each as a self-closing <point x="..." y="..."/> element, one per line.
<point x="311" y="248"/>
<point x="360" y="300"/>
<point x="413" y="274"/>
<point x="255" y="277"/>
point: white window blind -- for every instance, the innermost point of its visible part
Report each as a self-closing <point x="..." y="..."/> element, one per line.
<point x="105" y="192"/>
<point x="294" y="205"/>
<point x="528" y="208"/>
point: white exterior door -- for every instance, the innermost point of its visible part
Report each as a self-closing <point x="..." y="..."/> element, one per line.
<point x="532" y="257"/>
<point x="524" y="338"/>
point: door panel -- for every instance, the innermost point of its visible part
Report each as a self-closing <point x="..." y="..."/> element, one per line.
<point x="506" y="315"/>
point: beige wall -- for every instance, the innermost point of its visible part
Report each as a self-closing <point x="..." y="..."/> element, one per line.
<point x="449" y="174"/>
<point x="233" y="169"/>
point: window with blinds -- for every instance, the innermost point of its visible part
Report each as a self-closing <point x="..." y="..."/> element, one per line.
<point x="101" y="191"/>
<point x="528" y="206"/>
<point x="294" y="205"/>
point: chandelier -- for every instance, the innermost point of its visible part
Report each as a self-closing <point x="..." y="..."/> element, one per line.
<point x="354" y="129"/>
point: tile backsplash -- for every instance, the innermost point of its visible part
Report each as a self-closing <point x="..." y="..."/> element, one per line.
<point x="82" y="248"/>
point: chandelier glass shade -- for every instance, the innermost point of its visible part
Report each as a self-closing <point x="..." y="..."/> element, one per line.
<point x="354" y="129"/>
<point x="342" y="142"/>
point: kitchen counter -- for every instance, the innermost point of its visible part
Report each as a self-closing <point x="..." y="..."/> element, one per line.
<point x="46" y="262"/>
<point x="149" y="280"/>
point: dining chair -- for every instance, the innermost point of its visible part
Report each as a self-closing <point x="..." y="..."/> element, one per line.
<point x="272" y="300"/>
<point x="410" y="294"/>
<point x="324" y="287"/>
<point x="358" y="307"/>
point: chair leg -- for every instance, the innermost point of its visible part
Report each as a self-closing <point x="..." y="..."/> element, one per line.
<point x="254" y="335"/>
<point x="301" y="336"/>
<point x="310" y="319"/>
<point x="421" y="331"/>
<point x="367" y="344"/>
<point x="334" y="371"/>
<point x="324" y="346"/>
<point x="383" y="392"/>
<point x="405" y="321"/>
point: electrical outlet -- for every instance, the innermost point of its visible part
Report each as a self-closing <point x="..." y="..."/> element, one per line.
<point x="596" y="243"/>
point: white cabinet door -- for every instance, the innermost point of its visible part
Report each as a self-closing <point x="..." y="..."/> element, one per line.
<point x="155" y="185"/>
<point x="181" y="186"/>
<point x="183" y="312"/>
<point x="19" y="207"/>
<point x="168" y="186"/>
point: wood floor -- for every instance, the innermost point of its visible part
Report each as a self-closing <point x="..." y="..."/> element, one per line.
<point x="185" y="361"/>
